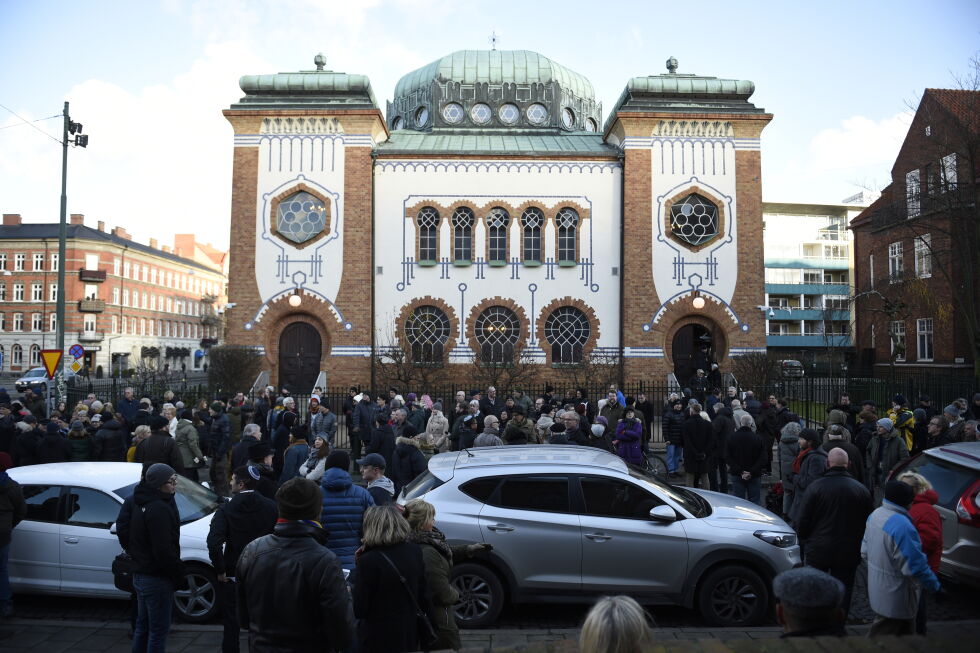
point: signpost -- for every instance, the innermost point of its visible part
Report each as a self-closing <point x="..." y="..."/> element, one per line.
<point x="52" y="360"/>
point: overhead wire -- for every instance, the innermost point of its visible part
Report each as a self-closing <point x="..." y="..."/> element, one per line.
<point x="30" y="123"/>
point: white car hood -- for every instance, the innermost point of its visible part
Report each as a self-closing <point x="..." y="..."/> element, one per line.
<point x="731" y="512"/>
<point x="194" y="534"/>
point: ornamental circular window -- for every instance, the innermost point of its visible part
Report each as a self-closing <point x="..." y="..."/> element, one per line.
<point x="497" y="332"/>
<point x="591" y="125"/>
<point x="427" y="331"/>
<point x="301" y="217"/>
<point x="567" y="118"/>
<point x="453" y="113"/>
<point x="537" y="113"/>
<point x="567" y="330"/>
<point x="694" y="220"/>
<point x="509" y="114"/>
<point x="397" y="123"/>
<point x="421" y="116"/>
<point x="481" y="113"/>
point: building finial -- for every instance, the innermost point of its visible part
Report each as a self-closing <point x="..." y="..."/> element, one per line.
<point x="493" y="40"/>
<point x="672" y="66"/>
<point x="320" y="61"/>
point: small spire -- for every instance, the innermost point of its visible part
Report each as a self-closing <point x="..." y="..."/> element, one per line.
<point x="493" y="40"/>
<point x="320" y="61"/>
<point x="672" y="66"/>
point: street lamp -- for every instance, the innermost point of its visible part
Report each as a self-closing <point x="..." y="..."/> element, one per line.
<point x="295" y="299"/>
<point x="79" y="140"/>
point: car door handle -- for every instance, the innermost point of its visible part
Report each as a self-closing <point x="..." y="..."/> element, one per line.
<point x="71" y="540"/>
<point x="598" y="537"/>
<point x="497" y="528"/>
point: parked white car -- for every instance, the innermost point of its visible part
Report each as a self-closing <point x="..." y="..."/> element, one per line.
<point x="66" y="544"/>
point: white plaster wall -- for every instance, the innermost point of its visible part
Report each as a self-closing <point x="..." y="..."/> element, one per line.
<point x="403" y="184"/>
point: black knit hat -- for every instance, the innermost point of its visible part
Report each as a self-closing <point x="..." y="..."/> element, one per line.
<point x="299" y="498"/>
<point x="259" y="451"/>
<point x="338" y="458"/>
<point x="899" y="493"/>
<point x="159" y="423"/>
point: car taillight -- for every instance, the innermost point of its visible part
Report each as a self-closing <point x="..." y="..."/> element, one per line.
<point x="967" y="509"/>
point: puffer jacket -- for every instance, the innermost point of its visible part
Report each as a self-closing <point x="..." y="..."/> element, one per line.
<point x="109" y="443"/>
<point x="343" y="511"/>
<point x="628" y="434"/>
<point x="292" y="595"/>
<point x="813" y="467"/>
<point x="408" y="462"/>
<point x="438" y="570"/>
<point x="673" y="422"/>
<point x="789" y="448"/>
<point x="896" y="563"/>
<point x="929" y="525"/>
<point x="81" y="446"/>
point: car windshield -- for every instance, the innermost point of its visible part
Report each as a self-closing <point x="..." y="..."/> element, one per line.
<point x="194" y="501"/>
<point x="35" y="373"/>
<point x="948" y="480"/>
<point x="691" y="501"/>
<point x="422" y="484"/>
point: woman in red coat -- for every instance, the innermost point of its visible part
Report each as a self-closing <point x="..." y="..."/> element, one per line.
<point x="930" y="527"/>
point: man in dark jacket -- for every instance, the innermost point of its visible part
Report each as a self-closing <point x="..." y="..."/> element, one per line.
<point x="12" y="510"/>
<point x="673" y="431"/>
<point x="25" y="442"/>
<point x="53" y="447"/>
<point x="518" y="429"/>
<point x="343" y="507"/>
<point x="831" y="522"/>
<point x="382" y="440"/>
<point x="746" y="460"/>
<point x="160" y="447"/>
<point x="292" y="595"/>
<point x="127" y="405"/>
<point x="379" y="486"/>
<point x="248" y="516"/>
<point x="154" y="544"/>
<point x="109" y="443"/>
<point x="220" y="438"/>
<point x="722" y="427"/>
<point x="697" y="446"/>
<point x="409" y="461"/>
<point x="850" y="411"/>
<point x="836" y="437"/>
<point x="251" y="434"/>
<point x="363" y="423"/>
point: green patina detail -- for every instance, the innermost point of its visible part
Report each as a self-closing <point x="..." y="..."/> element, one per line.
<point x="495" y="142"/>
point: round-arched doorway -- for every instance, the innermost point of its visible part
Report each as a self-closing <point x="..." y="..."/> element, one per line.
<point x="299" y="357"/>
<point x="691" y="349"/>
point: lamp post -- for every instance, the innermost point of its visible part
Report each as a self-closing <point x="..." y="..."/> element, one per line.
<point x="80" y="140"/>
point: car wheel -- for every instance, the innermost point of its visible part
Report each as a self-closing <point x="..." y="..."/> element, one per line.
<point x="733" y="596"/>
<point x="481" y="595"/>
<point x="198" y="603"/>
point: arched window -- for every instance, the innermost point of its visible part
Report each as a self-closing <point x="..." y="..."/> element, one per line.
<point x="427" y="223"/>
<point x="567" y="330"/>
<point x="16" y="355"/>
<point x="497" y="332"/>
<point x="497" y="222"/>
<point x="462" y="235"/>
<point x="694" y="220"/>
<point x="532" y="220"/>
<point x="567" y="220"/>
<point x="35" y="355"/>
<point x="427" y="331"/>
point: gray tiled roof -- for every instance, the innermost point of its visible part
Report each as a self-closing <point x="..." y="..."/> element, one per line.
<point x="412" y="142"/>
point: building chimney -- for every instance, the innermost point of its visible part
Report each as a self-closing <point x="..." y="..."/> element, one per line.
<point x="11" y="219"/>
<point x="120" y="232"/>
<point x="166" y="249"/>
<point x="77" y="218"/>
<point x="153" y="243"/>
<point x="101" y="226"/>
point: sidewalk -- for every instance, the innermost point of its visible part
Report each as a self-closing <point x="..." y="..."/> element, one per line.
<point x="54" y="636"/>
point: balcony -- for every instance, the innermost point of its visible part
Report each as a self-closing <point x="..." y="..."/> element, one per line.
<point x="91" y="306"/>
<point x="810" y="263"/>
<point x="91" y="336"/>
<point x="808" y="341"/>
<point x="810" y="314"/>
<point x="808" y="289"/>
<point x="92" y="275"/>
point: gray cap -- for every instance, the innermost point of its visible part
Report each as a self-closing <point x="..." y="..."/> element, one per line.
<point x="158" y="474"/>
<point x="886" y="424"/>
<point x="808" y="588"/>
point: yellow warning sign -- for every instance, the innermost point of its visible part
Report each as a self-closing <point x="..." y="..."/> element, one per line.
<point x="75" y="366"/>
<point x="51" y="358"/>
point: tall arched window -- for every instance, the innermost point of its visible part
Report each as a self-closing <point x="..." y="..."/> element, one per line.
<point x="16" y="355"/>
<point x="567" y="330"/>
<point x="427" y="223"/>
<point x="532" y="220"/>
<point x="462" y="235"/>
<point x="497" y="222"/>
<point x="497" y="332"/>
<point x="567" y="220"/>
<point x="35" y="355"/>
<point x="427" y="331"/>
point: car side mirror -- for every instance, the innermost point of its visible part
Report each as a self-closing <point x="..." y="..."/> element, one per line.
<point x="112" y="528"/>
<point x="663" y="513"/>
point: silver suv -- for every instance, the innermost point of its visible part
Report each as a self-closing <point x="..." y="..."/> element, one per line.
<point x="571" y="523"/>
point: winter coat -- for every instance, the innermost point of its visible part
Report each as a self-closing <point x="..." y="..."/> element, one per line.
<point x="109" y="443"/>
<point x="266" y="485"/>
<point x="234" y="416"/>
<point x="722" y="427"/>
<point x="248" y="516"/>
<point x="746" y="453"/>
<point x="438" y="570"/>
<point x="160" y="448"/>
<point x="81" y="446"/>
<point x="292" y="595"/>
<point x="382" y="490"/>
<point x="25" y="447"/>
<point x="188" y="443"/>
<point x="673" y="423"/>
<point x="862" y="440"/>
<point x="382" y="441"/>
<point x="697" y="444"/>
<point x="437" y="430"/>
<point x="295" y="455"/>
<point x="128" y="408"/>
<point x="855" y="461"/>
<point x="315" y="471"/>
<point x="12" y="507"/>
<point x="789" y="448"/>
<point x="613" y="412"/>
<point x="813" y="466"/>
<point x="239" y="453"/>
<point x="343" y="511"/>
<point x="416" y="417"/>
<point x="53" y="448"/>
<point x="154" y="535"/>
<point x="382" y="604"/>
<point x="628" y="435"/>
<point x="737" y="418"/>
<point x="883" y="454"/>
<point x="893" y="551"/>
<point x="929" y="525"/>
<point x="364" y="417"/>
<point x="904" y="422"/>
<point x="832" y="514"/>
<point x="323" y="425"/>
<point x="409" y="462"/>
<point x="516" y="433"/>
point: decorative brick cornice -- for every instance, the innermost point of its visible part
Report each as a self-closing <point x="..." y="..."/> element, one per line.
<point x="556" y="304"/>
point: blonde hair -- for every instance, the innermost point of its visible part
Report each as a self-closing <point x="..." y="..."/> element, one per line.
<point x="142" y="431"/>
<point x="168" y="410"/>
<point x="419" y="512"/>
<point x="918" y="482"/>
<point x="615" y="624"/>
<point x="384" y="526"/>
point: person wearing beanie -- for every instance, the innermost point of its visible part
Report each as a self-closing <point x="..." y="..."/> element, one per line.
<point x="808" y="466"/>
<point x="260" y="468"/>
<point x="159" y="447"/>
<point x="407" y="461"/>
<point x="885" y="450"/>
<point x="903" y="419"/>
<point x="954" y="423"/>
<point x="437" y="428"/>
<point x="558" y="435"/>
<point x="897" y="567"/>
<point x="12" y="510"/>
<point x="809" y="603"/>
<point x="53" y="447"/>
<point x="292" y="594"/>
<point x="154" y="544"/>
<point x="519" y="429"/>
<point x="343" y="506"/>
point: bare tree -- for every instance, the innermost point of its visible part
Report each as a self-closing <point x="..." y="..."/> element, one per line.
<point x="519" y="370"/>
<point x="597" y="369"/>
<point x="755" y="370"/>
<point x="233" y="368"/>
<point x="399" y="364"/>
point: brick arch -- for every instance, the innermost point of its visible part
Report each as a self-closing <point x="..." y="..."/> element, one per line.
<point x="590" y="315"/>
<point x="497" y="301"/>
<point x="722" y="217"/>
<point x="292" y="190"/>
<point x="280" y="314"/>
<point x="710" y="320"/>
<point x="428" y="301"/>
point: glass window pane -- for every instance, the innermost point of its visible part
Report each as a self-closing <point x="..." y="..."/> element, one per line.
<point x="91" y="508"/>
<point x="42" y="502"/>
<point x="694" y="220"/>
<point x="608" y="497"/>
<point x="542" y="493"/>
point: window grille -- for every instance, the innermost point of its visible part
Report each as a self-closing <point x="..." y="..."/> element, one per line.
<point x="567" y="224"/>
<point x="427" y="223"/>
<point x="567" y="330"/>
<point x="694" y="220"/>
<point x="497" y="332"/>
<point x="462" y="234"/>
<point x="427" y="331"/>
<point x="532" y="220"/>
<point x="497" y="222"/>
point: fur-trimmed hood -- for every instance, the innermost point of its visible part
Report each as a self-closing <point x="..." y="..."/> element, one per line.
<point x="407" y="441"/>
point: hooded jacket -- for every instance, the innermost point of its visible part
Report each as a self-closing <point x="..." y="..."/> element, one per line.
<point x="109" y="443"/>
<point x="81" y="446"/>
<point x="53" y="448"/>
<point x="382" y="490"/>
<point x="343" y="511"/>
<point x="628" y="434"/>
<point x="929" y="525"/>
<point x="408" y="462"/>
<point x="832" y="515"/>
<point x="188" y="443"/>
<point x="884" y="452"/>
<point x="154" y="535"/>
<point x="248" y="516"/>
<point x="12" y="507"/>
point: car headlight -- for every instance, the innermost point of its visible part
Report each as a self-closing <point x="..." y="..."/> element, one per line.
<point x="777" y="538"/>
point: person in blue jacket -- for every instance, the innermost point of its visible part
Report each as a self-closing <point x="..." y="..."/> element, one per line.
<point x="343" y="508"/>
